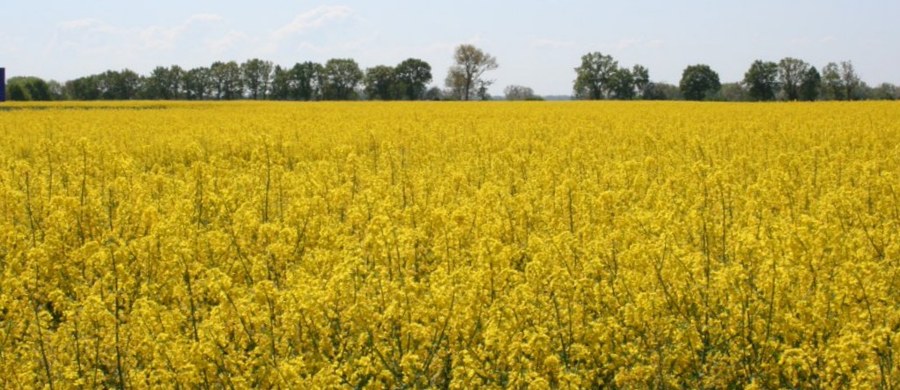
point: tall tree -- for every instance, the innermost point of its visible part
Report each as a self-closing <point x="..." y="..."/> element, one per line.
<point x="122" y="85"/>
<point x="455" y="83"/>
<point x="56" y="90"/>
<point x="198" y="83"/>
<point x="176" y="82"/>
<point x="641" y="77"/>
<point x="412" y="76"/>
<point x="832" y="82"/>
<point x="810" y="85"/>
<point x="380" y="83"/>
<point x="83" y="88"/>
<point x="164" y="83"/>
<point x="465" y="76"/>
<point x="850" y="81"/>
<point x="156" y="86"/>
<point x="217" y="79"/>
<point x="761" y="80"/>
<point x="622" y="84"/>
<point x="281" y="83"/>
<point x="307" y="81"/>
<point x="594" y="76"/>
<point x="342" y="76"/>
<point x="257" y="78"/>
<point x="699" y="82"/>
<point x="790" y="76"/>
<point x="482" y="91"/>
<point x="226" y="80"/>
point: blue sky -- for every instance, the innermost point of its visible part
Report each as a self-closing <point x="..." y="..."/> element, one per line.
<point x="537" y="42"/>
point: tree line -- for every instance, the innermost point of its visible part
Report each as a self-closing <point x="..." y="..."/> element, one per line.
<point x="256" y="79"/>
<point x="599" y="76"/>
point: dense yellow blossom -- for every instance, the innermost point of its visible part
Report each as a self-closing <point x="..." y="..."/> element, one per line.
<point x="374" y="245"/>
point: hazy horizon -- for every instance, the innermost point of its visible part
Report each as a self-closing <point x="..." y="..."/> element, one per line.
<point x="537" y="43"/>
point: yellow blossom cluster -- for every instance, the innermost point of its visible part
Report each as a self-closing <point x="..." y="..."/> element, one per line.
<point x="450" y="245"/>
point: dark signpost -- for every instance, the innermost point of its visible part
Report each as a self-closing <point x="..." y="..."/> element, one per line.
<point x="2" y="84"/>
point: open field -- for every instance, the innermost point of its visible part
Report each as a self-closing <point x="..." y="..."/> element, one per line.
<point x="450" y="245"/>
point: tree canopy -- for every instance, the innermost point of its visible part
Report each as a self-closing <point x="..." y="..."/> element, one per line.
<point x="465" y="77"/>
<point x="761" y="80"/>
<point x="599" y="76"/>
<point x="699" y="82"/>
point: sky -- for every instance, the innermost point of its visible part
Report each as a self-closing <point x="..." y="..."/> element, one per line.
<point x="537" y="43"/>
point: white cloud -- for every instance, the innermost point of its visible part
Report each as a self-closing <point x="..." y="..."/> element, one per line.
<point x="226" y="42"/>
<point x="312" y="19"/>
<point x="545" y="43"/>
<point x="86" y="33"/>
<point x="160" y="37"/>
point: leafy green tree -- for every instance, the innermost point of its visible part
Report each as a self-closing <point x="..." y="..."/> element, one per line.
<point x="885" y="91"/>
<point x="594" y="76"/>
<point x="661" y="91"/>
<point x="119" y="85"/>
<point x="832" y="83"/>
<point x="226" y="80"/>
<point x="434" y="94"/>
<point x="622" y="84"/>
<point x="850" y="81"/>
<point x="465" y="76"/>
<point x="761" y="80"/>
<point x="733" y="92"/>
<point x="412" y="76"/>
<point x="455" y="83"/>
<point x="281" y="83"/>
<point x="810" y="85"/>
<point x="699" y="82"/>
<point x="157" y="86"/>
<point x="641" y="77"/>
<point x="176" y="82"/>
<point x="790" y="76"/>
<point x="307" y="81"/>
<point x="57" y="91"/>
<point x="519" y="92"/>
<point x="164" y="83"/>
<point x="83" y="88"/>
<point x="198" y="83"/>
<point x="129" y="84"/>
<point x="17" y="92"/>
<point x="380" y="82"/>
<point x="341" y="77"/>
<point x="482" y="90"/>
<point x="257" y="78"/>
<point x="27" y="88"/>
